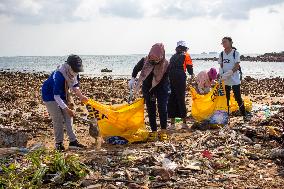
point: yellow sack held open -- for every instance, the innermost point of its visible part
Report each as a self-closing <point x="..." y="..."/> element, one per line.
<point x="204" y="106"/>
<point x="126" y="120"/>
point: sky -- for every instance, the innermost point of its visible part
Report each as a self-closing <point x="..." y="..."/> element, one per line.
<point x="119" y="27"/>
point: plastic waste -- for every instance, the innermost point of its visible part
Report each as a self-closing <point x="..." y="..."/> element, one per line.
<point x="117" y="140"/>
<point x="207" y="154"/>
<point x="178" y="120"/>
<point x="168" y="164"/>
<point x="219" y="117"/>
<point x="266" y="112"/>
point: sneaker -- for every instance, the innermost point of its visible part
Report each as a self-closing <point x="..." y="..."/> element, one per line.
<point x="164" y="136"/>
<point x="171" y="127"/>
<point x="59" y="147"/>
<point x="184" y="126"/>
<point x="76" y="145"/>
<point x="153" y="136"/>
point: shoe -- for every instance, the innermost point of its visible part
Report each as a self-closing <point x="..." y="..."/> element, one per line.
<point x="59" y="147"/>
<point x="76" y="145"/>
<point x="171" y="127"/>
<point x="164" y="136"/>
<point x="184" y="126"/>
<point x="153" y="136"/>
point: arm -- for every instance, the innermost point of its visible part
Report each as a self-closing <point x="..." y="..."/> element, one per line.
<point x="138" y="67"/>
<point x="188" y="64"/>
<point x="189" y="69"/>
<point x="238" y="60"/>
<point x="79" y="94"/>
<point x="236" y="67"/>
<point x="77" y="90"/>
<point x="60" y="102"/>
<point x="59" y="88"/>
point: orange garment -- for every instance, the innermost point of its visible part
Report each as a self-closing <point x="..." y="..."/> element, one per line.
<point x="187" y="61"/>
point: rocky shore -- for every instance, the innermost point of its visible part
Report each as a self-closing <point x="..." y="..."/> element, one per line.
<point x="235" y="157"/>
<point x="267" y="57"/>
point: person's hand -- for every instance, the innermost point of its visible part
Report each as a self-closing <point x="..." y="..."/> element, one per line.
<point x="131" y="83"/>
<point x="84" y="99"/>
<point x="70" y="112"/>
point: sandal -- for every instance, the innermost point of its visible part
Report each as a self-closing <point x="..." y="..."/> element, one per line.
<point x="164" y="136"/>
<point x="153" y="137"/>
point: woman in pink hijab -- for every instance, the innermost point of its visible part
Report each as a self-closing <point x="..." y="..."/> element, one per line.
<point x="205" y="79"/>
<point x="155" y="87"/>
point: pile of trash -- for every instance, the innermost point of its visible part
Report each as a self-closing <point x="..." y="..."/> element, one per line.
<point x="236" y="156"/>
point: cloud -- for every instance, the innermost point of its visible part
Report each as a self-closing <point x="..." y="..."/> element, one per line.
<point x="227" y="9"/>
<point x="125" y="8"/>
<point x="39" y="11"/>
<point x="58" y="11"/>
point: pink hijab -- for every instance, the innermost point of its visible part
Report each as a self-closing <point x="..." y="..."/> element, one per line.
<point x="157" y="52"/>
<point x="205" y="79"/>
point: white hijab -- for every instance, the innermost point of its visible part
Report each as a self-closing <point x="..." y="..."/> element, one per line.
<point x="69" y="75"/>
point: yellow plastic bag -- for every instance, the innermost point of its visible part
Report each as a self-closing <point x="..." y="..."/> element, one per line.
<point x="235" y="107"/>
<point x="203" y="106"/>
<point x="126" y="120"/>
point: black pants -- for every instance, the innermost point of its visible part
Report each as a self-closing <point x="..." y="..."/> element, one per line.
<point x="161" y="95"/>
<point x="176" y="104"/>
<point x="238" y="97"/>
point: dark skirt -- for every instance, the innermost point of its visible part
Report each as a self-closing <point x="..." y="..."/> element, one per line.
<point x="176" y="103"/>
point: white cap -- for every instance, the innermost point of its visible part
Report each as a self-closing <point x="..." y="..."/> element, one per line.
<point x="182" y="43"/>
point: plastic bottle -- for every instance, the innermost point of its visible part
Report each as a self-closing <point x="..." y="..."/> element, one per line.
<point x="266" y="112"/>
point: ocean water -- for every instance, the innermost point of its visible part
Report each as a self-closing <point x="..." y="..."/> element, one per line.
<point x="122" y="65"/>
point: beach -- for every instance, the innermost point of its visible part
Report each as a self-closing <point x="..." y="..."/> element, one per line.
<point x="240" y="156"/>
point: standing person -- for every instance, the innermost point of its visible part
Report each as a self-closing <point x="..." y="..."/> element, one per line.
<point x="56" y="98"/>
<point x="179" y="63"/>
<point x="229" y="61"/>
<point x="154" y="76"/>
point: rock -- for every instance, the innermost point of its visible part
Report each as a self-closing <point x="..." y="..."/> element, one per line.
<point x="12" y="138"/>
<point x="86" y="183"/>
<point x="162" y="172"/>
<point x="136" y="186"/>
<point x="277" y="153"/>
<point x="96" y="186"/>
<point x="111" y="186"/>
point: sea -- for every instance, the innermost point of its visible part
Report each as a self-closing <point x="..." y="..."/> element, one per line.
<point x="122" y="65"/>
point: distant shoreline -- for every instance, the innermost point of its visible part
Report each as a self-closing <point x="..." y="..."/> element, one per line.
<point x="267" y="57"/>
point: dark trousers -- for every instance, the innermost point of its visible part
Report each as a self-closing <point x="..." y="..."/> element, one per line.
<point x="238" y="97"/>
<point x="161" y="95"/>
<point x="176" y="104"/>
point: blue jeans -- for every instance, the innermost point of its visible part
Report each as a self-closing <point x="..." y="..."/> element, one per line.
<point x="161" y="95"/>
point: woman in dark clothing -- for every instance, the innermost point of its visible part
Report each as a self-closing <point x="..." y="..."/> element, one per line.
<point x="179" y="63"/>
<point x="154" y="76"/>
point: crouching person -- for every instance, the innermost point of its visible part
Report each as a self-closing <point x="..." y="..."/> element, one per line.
<point x="205" y="80"/>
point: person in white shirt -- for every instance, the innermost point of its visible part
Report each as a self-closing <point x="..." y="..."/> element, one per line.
<point x="229" y="61"/>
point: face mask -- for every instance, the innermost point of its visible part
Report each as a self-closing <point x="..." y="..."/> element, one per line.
<point x="154" y="62"/>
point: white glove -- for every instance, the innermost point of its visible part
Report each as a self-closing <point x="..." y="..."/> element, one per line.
<point x="131" y="83"/>
<point x="228" y="74"/>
